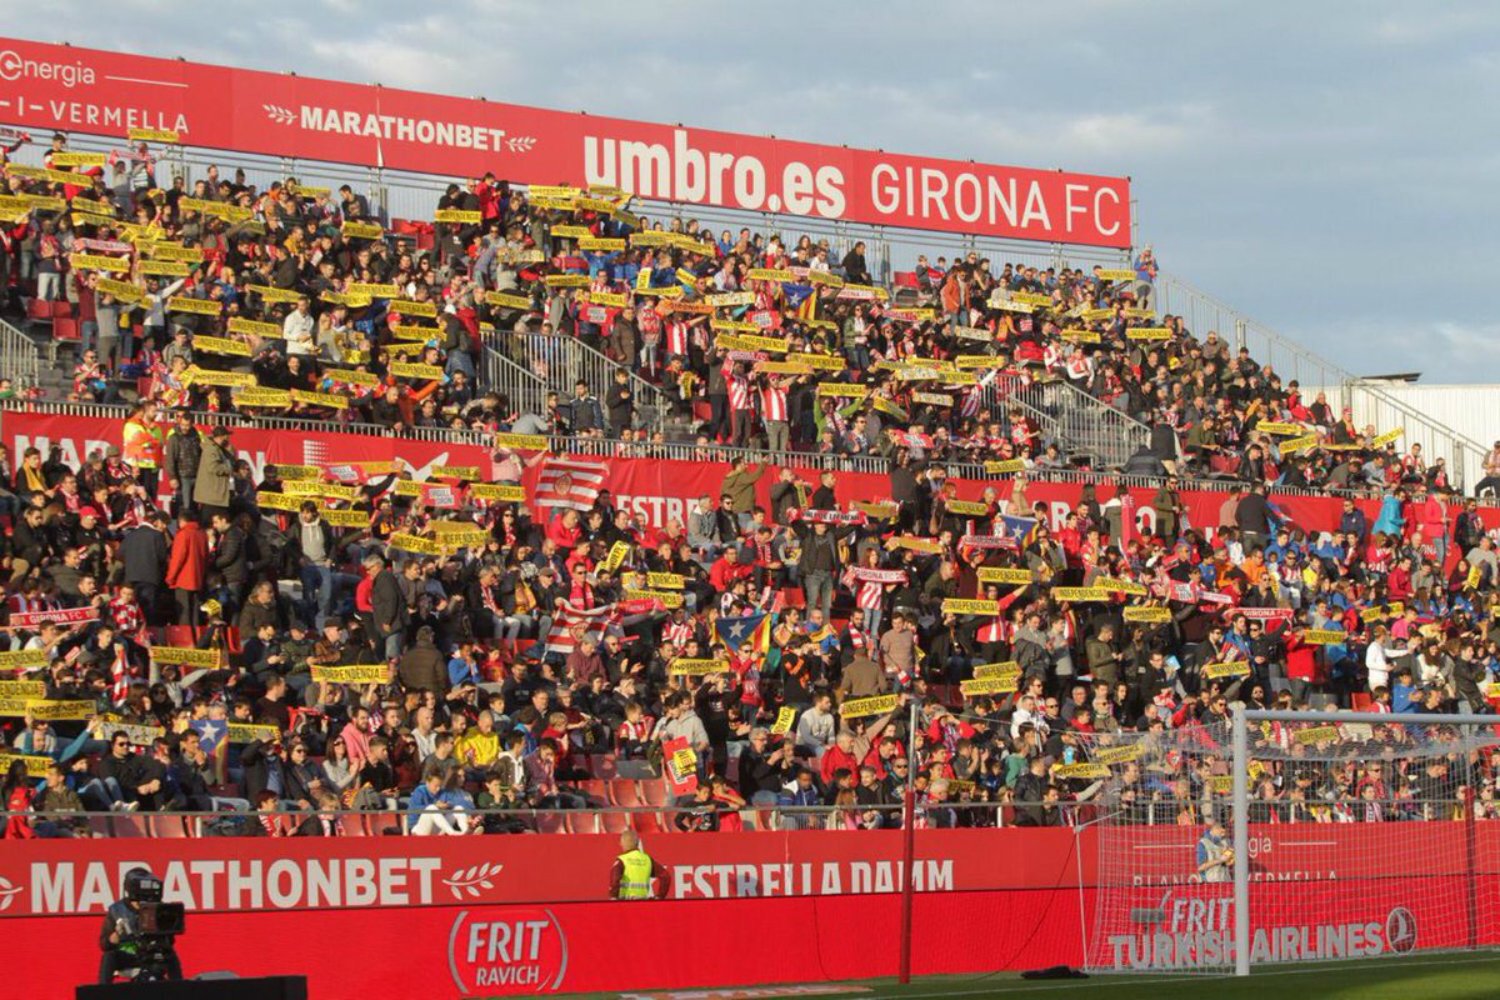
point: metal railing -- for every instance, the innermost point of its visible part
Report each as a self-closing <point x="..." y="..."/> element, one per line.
<point x="559" y="361"/>
<point x="1083" y="425"/>
<point x="20" y="357"/>
<point x="573" y="812"/>
<point x="526" y="391"/>
<point x="1371" y="403"/>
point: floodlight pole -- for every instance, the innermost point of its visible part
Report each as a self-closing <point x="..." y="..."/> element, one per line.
<point x="1240" y="803"/>
<point x="908" y="845"/>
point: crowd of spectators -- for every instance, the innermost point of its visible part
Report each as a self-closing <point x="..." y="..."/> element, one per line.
<point x="222" y="296"/>
<point x="487" y="670"/>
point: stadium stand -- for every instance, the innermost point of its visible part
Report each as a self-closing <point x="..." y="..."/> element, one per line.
<point x="200" y="650"/>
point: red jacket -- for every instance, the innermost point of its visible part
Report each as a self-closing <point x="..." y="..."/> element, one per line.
<point x="187" y="568"/>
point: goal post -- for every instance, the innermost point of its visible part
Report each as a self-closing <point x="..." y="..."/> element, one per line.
<point x="1449" y="877"/>
<point x="1267" y="837"/>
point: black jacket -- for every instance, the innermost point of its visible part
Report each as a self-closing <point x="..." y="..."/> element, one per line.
<point x="230" y="558"/>
<point x="388" y="603"/>
<point x="143" y="550"/>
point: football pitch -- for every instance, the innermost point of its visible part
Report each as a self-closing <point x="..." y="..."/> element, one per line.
<point x="1433" y="977"/>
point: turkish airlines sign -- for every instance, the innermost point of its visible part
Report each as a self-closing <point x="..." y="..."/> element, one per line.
<point x="107" y="93"/>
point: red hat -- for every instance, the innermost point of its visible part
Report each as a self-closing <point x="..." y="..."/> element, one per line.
<point x="88" y="512"/>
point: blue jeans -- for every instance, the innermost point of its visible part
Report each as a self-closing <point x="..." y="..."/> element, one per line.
<point x="316" y="580"/>
<point x="101" y="793"/>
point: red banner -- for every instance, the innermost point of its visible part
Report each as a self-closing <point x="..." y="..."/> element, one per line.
<point x="78" y="437"/>
<point x="106" y="93"/>
<point x="451" y="917"/>
<point x="214" y="873"/>
<point x="660" y="489"/>
<point x="667" y="490"/>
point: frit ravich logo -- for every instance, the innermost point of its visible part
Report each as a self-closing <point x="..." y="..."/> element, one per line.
<point x="511" y="950"/>
<point x="1400" y="930"/>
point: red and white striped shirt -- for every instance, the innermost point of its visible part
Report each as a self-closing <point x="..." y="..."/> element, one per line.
<point x="739" y="389"/>
<point x="773" y="402"/>
<point x="677" y="337"/>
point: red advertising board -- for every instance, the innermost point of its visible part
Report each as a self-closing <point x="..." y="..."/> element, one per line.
<point x="105" y="93"/>
<point x="666" y="490"/>
<point x="502" y="916"/>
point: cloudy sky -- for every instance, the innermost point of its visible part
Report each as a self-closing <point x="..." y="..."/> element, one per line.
<point x="1327" y="168"/>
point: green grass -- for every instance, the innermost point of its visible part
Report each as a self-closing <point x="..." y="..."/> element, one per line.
<point x="1417" y="977"/>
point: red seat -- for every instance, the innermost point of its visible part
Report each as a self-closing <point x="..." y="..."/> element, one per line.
<point x="39" y="310"/>
<point x="61" y="309"/>
<point x="793" y="597"/>
<point x="582" y="821"/>
<point x="654" y="792"/>
<point x="232" y="639"/>
<point x="377" y="823"/>
<point x="549" y="821"/>
<point x="596" y="789"/>
<point x="613" y="821"/>
<point x="65" y="330"/>
<point x="181" y="636"/>
<point x="626" y="792"/>
<point x="906" y="279"/>
<point x="1360" y="701"/>
<point x="602" y="766"/>
<point x="167" y="826"/>
<point x="646" y="822"/>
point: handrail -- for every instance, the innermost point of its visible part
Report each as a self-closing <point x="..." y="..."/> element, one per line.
<point x="20" y="356"/>
<point x="1372" y="403"/>
<point x="558" y="360"/>
<point x="526" y="392"/>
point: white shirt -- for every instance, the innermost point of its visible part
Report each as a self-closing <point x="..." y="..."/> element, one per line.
<point x="298" y="330"/>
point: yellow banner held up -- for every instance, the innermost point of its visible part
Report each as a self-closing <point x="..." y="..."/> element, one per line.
<point x="618" y="553"/>
<point x="522" y="442"/>
<point x="187" y="656"/>
<point x="1153" y="616"/>
<point x="988" y="686"/>
<point x="347" y="518"/>
<point x="1004" y="574"/>
<point x="166" y="135"/>
<point x="666" y="581"/>
<point x="990" y="671"/>
<point x="270" y="294"/>
<point x="1119" y="755"/>
<point x="685" y="667"/>
<point x="22" y="658"/>
<point x="407" y="369"/>
<point x="407" y="542"/>
<point x="1077" y="594"/>
<point x="1005" y="468"/>
<point x="62" y="711"/>
<point x="221" y="345"/>
<point x="1219" y="671"/>
<point x="1317" y="734"/>
<point x="1084" y="771"/>
<point x="859" y="708"/>
<point x="166" y="269"/>
<point x="960" y="606"/>
<point x="498" y="492"/>
<point x="244" y="732"/>
<point x="362" y="231"/>
<point x="1276" y="427"/>
<point x="667" y="598"/>
<point x="362" y="673"/>
<point x="187" y="304"/>
<point x="99" y="262"/>
<point x="967" y="508"/>
<point x="1148" y="333"/>
<point x="457" y="216"/>
<point x="1324" y="636"/>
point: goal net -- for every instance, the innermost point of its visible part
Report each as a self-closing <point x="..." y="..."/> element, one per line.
<point x="1355" y="836"/>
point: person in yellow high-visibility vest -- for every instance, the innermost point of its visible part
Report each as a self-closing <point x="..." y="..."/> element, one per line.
<point x="141" y="447"/>
<point x="635" y="874"/>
